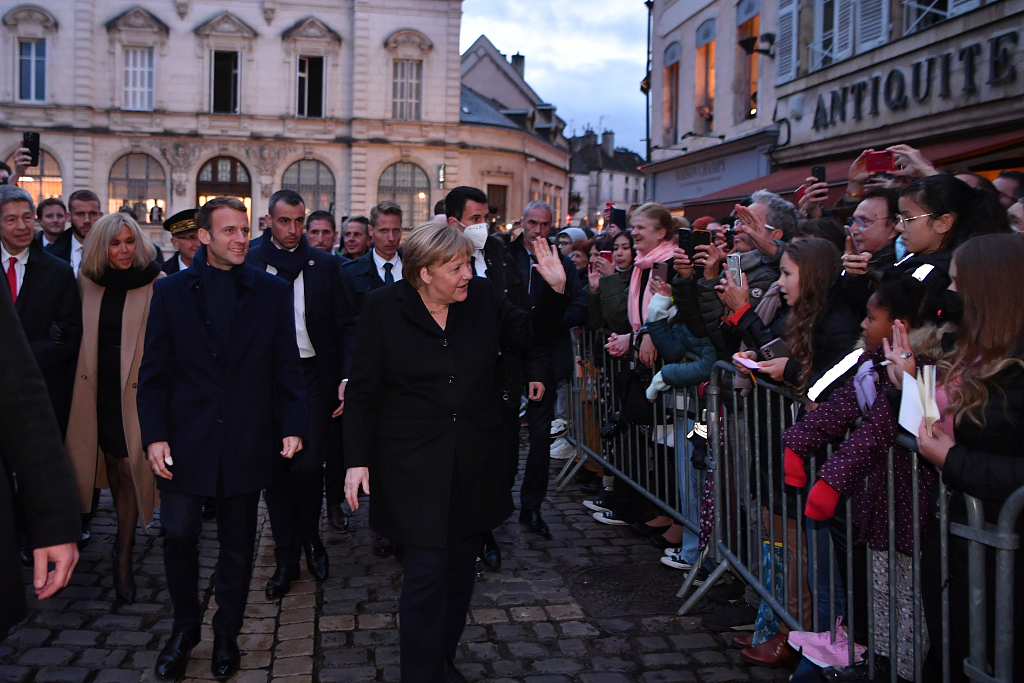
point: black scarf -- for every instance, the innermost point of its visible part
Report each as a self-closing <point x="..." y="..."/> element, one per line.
<point x="289" y="264"/>
<point x="133" y="278"/>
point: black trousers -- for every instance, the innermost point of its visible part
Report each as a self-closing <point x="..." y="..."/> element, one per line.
<point x="295" y="499"/>
<point x="334" y="479"/>
<point x="181" y="517"/>
<point x="436" y="590"/>
<point x="538" y="460"/>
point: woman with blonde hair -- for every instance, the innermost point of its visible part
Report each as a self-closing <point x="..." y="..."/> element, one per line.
<point x="104" y="440"/>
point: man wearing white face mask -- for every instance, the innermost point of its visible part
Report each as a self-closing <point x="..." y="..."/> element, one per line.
<point x="466" y="210"/>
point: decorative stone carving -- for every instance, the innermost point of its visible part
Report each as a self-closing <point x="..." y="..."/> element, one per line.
<point x="182" y="7"/>
<point x="226" y="24"/>
<point x="408" y="38"/>
<point x="265" y="159"/>
<point x="180" y="156"/>
<point x="269" y="11"/>
<point x="311" y="28"/>
<point x="137" y="19"/>
<point x="30" y="14"/>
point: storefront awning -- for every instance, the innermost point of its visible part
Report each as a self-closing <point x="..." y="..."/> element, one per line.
<point x="786" y="181"/>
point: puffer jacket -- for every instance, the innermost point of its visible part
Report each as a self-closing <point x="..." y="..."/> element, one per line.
<point x="607" y="307"/>
<point x="702" y="310"/>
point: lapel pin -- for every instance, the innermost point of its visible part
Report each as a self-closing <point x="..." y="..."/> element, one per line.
<point x="310" y="261"/>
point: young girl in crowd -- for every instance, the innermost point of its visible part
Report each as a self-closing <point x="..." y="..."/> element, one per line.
<point x="983" y="378"/>
<point x="804" y="310"/>
<point x="859" y="467"/>
<point x="608" y="290"/>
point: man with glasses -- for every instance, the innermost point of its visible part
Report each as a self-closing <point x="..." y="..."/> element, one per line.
<point x="870" y="245"/>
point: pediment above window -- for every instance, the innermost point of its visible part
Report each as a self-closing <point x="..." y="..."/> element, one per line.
<point x="311" y="28"/>
<point x="408" y="40"/>
<point x="137" y="19"/>
<point x="30" y="15"/>
<point x="225" y="25"/>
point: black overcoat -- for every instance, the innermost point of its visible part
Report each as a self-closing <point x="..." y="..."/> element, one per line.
<point x="423" y="408"/>
<point x="216" y="409"/>
<point x="364" y="278"/>
<point x="50" y="309"/>
<point x="33" y="451"/>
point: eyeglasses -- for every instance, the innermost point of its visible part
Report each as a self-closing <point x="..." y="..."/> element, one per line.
<point x="902" y="221"/>
<point x="862" y="224"/>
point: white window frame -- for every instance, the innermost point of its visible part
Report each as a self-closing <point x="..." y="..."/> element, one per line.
<point x="304" y="75"/>
<point x="237" y="86"/>
<point x="33" y="65"/>
<point x="403" y="100"/>
<point x="138" y="95"/>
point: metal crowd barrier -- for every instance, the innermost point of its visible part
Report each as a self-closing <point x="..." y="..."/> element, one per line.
<point x="744" y="460"/>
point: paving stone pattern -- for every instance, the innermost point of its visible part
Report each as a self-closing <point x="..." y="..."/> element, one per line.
<point x="524" y="624"/>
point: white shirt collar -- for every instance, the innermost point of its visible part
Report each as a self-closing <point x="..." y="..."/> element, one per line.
<point x="22" y="258"/>
<point x="379" y="260"/>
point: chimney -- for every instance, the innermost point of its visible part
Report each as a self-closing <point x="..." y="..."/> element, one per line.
<point x="608" y="143"/>
<point x="590" y="136"/>
<point x="519" y="63"/>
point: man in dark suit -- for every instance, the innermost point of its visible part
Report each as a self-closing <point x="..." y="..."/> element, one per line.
<point x="324" y="327"/>
<point x="466" y="210"/>
<point x="53" y="219"/>
<point x="355" y="237"/>
<point x="45" y="296"/>
<point x="220" y="381"/>
<point x="185" y="238"/>
<point x="548" y="364"/>
<point x="321" y="231"/>
<point x="83" y="211"/>
<point x="32" y="451"/>
<point x="382" y="265"/>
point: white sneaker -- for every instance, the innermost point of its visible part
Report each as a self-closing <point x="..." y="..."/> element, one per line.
<point x="608" y="517"/>
<point x="669" y="552"/>
<point x="592" y="505"/>
<point x="562" y="449"/>
<point x="558" y="428"/>
<point x="676" y="562"/>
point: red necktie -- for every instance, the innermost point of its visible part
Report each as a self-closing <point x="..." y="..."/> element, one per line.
<point x="12" y="279"/>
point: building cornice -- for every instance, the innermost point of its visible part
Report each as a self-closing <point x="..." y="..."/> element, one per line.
<point x="753" y="140"/>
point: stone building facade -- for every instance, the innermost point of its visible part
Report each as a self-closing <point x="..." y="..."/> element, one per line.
<point x="601" y="174"/>
<point x="159" y="104"/>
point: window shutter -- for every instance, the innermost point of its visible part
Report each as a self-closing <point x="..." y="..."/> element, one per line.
<point x="960" y="6"/>
<point x="872" y="24"/>
<point x="786" y="42"/>
<point x="843" y="45"/>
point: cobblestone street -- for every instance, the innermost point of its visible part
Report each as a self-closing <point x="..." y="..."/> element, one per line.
<point x="591" y="605"/>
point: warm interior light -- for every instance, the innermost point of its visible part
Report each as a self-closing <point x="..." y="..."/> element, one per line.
<point x="753" y="112"/>
<point x="423" y="195"/>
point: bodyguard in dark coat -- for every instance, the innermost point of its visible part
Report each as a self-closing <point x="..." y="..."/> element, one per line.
<point x="382" y="264"/>
<point x="220" y="381"/>
<point x="324" y="328"/>
<point x="47" y="301"/>
<point x="422" y="408"/>
<point x="33" y="451"/>
<point x="83" y="210"/>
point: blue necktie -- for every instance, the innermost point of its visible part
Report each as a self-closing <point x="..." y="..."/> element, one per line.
<point x="389" y="279"/>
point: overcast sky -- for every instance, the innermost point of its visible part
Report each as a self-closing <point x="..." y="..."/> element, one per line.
<point x="585" y="57"/>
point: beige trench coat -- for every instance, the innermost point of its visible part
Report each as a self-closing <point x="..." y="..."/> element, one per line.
<point x="82" y="439"/>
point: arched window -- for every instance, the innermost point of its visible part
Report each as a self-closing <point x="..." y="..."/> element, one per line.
<point x="138" y="182"/>
<point x="224" y="177"/>
<point x="314" y="181"/>
<point x="42" y="181"/>
<point x="408" y="185"/>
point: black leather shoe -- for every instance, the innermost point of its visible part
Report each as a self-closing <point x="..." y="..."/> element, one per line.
<point x="226" y="657"/>
<point x="209" y="508"/>
<point x="490" y="553"/>
<point x="124" y="583"/>
<point x="316" y="560"/>
<point x="337" y="519"/>
<point x="173" y="658"/>
<point x="451" y="674"/>
<point x="532" y="520"/>
<point x="281" y="582"/>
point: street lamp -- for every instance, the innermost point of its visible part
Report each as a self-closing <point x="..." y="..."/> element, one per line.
<point x="749" y="45"/>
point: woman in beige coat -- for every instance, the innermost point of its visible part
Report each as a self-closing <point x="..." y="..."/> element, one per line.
<point x="104" y="440"/>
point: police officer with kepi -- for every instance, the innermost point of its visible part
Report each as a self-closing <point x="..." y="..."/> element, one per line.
<point x="220" y="380"/>
<point x="184" y="237"/>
